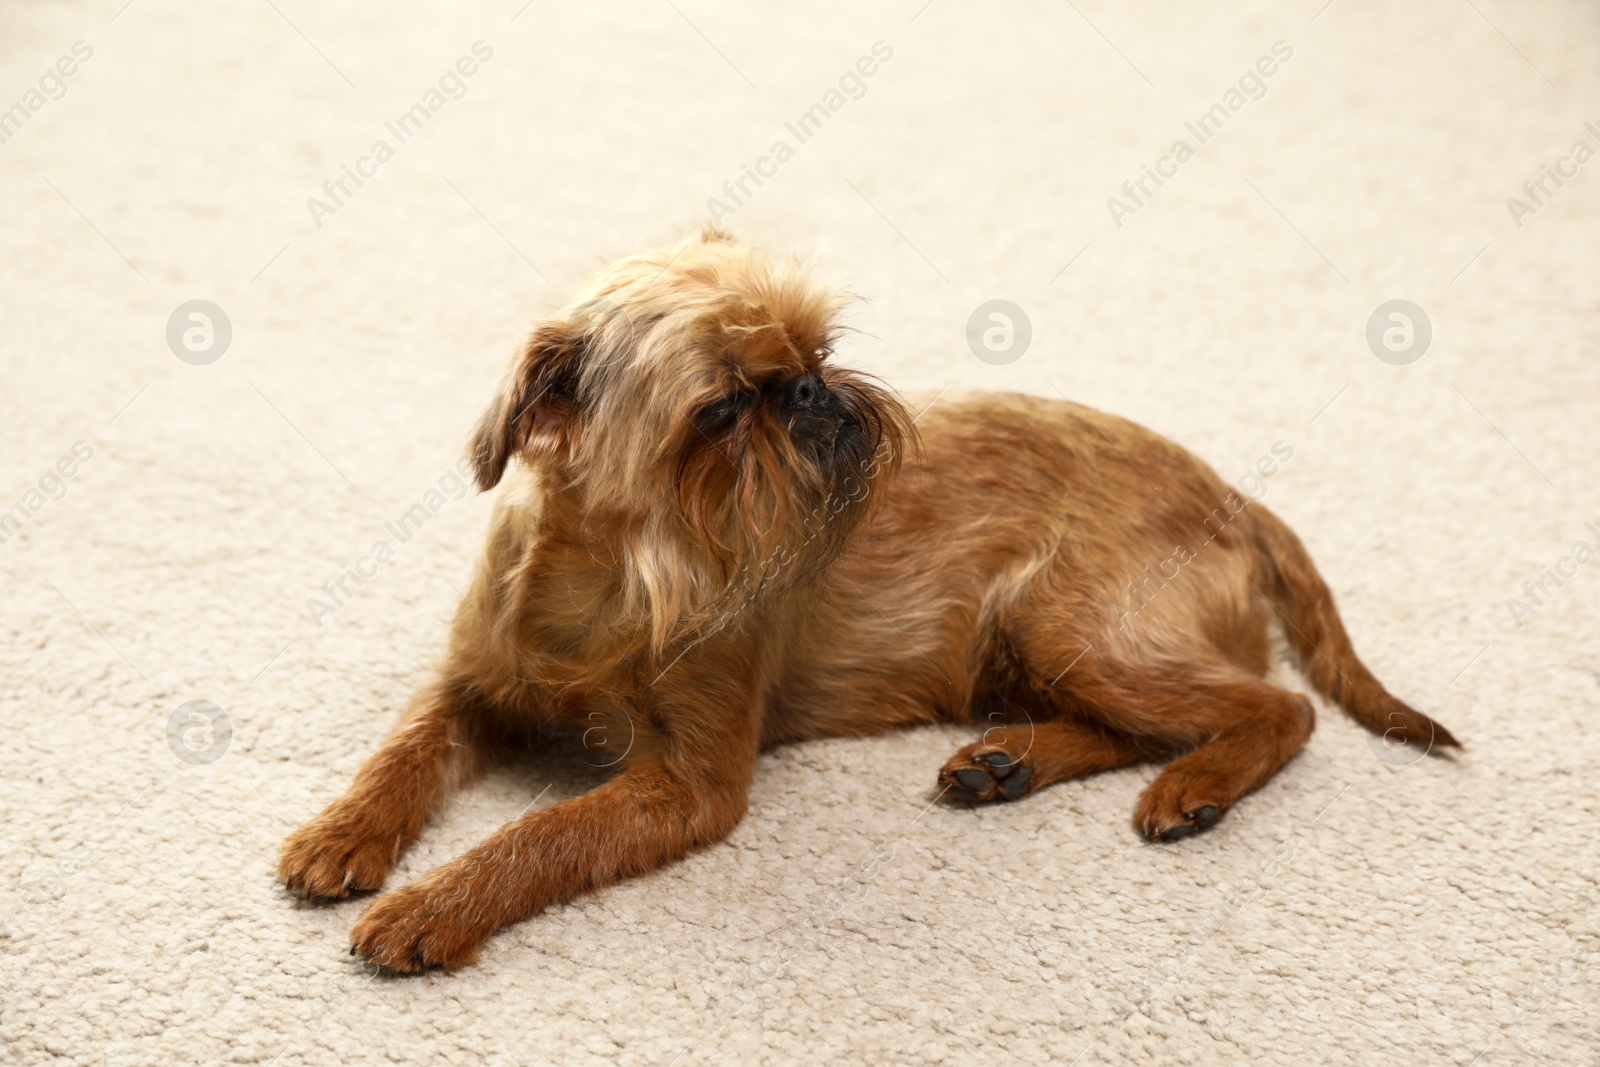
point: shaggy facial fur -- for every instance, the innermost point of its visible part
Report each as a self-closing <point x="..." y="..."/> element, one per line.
<point x="683" y="410"/>
<point x="709" y="540"/>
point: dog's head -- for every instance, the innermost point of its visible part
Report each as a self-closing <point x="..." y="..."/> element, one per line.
<point x="686" y="401"/>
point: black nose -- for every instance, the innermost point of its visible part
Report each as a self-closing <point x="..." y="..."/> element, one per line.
<point x="808" y="394"/>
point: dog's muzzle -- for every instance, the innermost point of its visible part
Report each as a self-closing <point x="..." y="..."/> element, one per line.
<point x="815" y="413"/>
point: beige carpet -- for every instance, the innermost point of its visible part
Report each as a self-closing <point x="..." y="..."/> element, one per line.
<point x="1356" y="910"/>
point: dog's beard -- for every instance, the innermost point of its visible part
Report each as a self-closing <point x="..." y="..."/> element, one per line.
<point x="775" y="499"/>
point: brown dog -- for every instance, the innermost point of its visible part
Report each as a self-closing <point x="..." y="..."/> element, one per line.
<point x="717" y="541"/>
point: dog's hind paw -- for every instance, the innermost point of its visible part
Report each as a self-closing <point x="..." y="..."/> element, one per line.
<point x="1175" y="806"/>
<point x="982" y="772"/>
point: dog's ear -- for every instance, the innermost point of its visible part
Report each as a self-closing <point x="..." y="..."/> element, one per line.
<point x="534" y="410"/>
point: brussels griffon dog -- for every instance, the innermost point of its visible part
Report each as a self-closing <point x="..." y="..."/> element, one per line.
<point x="714" y="540"/>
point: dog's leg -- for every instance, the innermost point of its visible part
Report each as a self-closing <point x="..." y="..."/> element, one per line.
<point x="688" y="792"/>
<point x="1241" y="729"/>
<point x="1258" y="727"/>
<point x="1016" y="759"/>
<point x="356" y="839"/>
<point x="1175" y="690"/>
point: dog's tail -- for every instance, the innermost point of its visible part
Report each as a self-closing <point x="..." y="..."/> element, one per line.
<point x="1318" y="637"/>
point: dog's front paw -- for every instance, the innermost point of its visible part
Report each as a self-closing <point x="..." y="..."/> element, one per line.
<point x="982" y="772"/>
<point x="425" y="924"/>
<point x="335" y="853"/>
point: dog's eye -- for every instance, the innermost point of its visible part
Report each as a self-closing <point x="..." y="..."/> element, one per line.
<point x="721" y="414"/>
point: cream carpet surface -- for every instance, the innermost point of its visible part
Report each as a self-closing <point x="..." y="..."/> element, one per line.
<point x="1202" y="215"/>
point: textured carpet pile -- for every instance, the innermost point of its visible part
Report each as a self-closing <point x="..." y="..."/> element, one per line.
<point x="199" y="641"/>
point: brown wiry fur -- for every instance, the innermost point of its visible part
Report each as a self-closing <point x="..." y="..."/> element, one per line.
<point x="716" y="541"/>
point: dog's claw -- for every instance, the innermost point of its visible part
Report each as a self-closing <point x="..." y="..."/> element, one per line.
<point x="422" y="926"/>
<point x="335" y="854"/>
<point x="1196" y="820"/>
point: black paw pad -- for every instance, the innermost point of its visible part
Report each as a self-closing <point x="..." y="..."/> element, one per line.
<point x="1017" y="784"/>
<point x="992" y="775"/>
<point x="999" y="763"/>
<point x="973" y="779"/>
